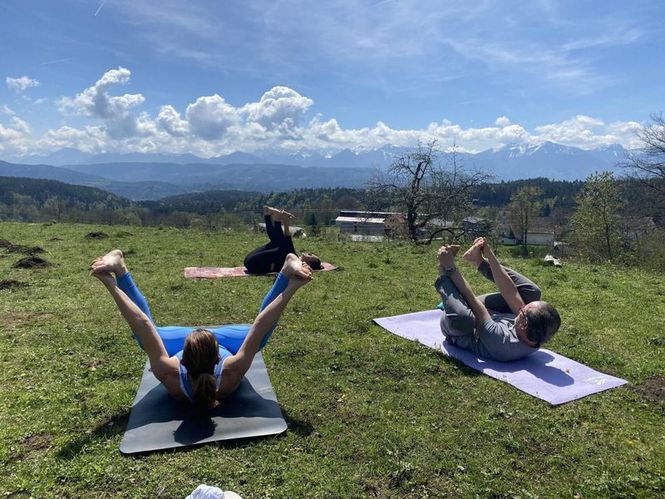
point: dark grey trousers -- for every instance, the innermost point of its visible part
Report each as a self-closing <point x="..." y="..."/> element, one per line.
<point x="458" y="317"/>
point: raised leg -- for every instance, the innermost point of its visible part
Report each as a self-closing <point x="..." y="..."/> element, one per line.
<point x="527" y="289"/>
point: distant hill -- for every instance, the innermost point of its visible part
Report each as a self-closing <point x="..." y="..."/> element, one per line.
<point x="39" y="190"/>
<point x="155" y="176"/>
<point x="509" y="162"/>
<point x="153" y="189"/>
<point x="242" y="177"/>
<point x="203" y="202"/>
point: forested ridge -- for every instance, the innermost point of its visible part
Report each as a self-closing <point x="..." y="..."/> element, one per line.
<point x="28" y="199"/>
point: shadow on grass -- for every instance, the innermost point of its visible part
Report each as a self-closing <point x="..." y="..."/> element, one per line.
<point x="105" y="430"/>
<point x="117" y="424"/>
<point x="537" y="364"/>
<point x="301" y="428"/>
<point x="461" y="366"/>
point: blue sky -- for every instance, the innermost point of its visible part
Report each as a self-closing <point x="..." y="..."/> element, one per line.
<point x="212" y="77"/>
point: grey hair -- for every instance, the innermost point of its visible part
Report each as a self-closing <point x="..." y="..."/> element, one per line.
<point x="543" y="321"/>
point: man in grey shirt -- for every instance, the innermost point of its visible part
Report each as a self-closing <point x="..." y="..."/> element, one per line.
<point x="503" y="326"/>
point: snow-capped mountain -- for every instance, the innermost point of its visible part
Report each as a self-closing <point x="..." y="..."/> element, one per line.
<point x="509" y="162"/>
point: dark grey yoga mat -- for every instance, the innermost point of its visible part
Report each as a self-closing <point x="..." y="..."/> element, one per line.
<point x="157" y="421"/>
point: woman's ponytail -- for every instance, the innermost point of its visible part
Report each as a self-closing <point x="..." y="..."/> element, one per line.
<point x="205" y="393"/>
<point x="199" y="356"/>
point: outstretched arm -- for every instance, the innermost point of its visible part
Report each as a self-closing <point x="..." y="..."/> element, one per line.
<point x="506" y="286"/>
<point x="143" y="327"/>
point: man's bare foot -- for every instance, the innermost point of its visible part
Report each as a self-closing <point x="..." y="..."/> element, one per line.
<point x="446" y="256"/>
<point x="474" y="254"/>
<point x="113" y="261"/>
<point x="454" y="248"/>
<point x="295" y="268"/>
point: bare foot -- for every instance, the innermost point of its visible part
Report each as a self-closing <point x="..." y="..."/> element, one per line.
<point x="273" y="212"/>
<point x="113" y="261"/>
<point x="295" y="268"/>
<point x="454" y="249"/>
<point x="105" y="277"/>
<point x="287" y="214"/>
<point x="446" y="256"/>
<point x="474" y="254"/>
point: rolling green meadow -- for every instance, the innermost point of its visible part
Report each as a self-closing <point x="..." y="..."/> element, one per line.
<point x="369" y="414"/>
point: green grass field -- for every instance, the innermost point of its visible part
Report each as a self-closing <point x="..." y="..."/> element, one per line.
<point x="369" y="414"/>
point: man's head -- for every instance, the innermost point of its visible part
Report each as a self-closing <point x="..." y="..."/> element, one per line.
<point x="537" y="322"/>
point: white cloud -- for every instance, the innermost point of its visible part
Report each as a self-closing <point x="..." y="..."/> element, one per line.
<point x="95" y="101"/>
<point x="14" y="136"/>
<point x="581" y="131"/>
<point x="88" y="139"/>
<point x="210" y="126"/>
<point x="169" y="119"/>
<point x="280" y="106"/>
<point x="210" y="117"/>
<point x="21" y="84"/>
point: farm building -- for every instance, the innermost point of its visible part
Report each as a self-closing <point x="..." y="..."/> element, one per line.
<point x="540" y="233"/>
<point x="369" y="223"/>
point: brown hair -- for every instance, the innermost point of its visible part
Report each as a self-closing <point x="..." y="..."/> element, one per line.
<point x="313" y="261"/>
<point x="199" y="356"/>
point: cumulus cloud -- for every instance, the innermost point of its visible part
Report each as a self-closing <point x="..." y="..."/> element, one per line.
<point x="278" y="107"/>
<point x="21" y="84"/>
<point x="95" y="101"/>
<point x="209" y="117"/>
<point x="581" y="131"/>
<point x="90" y="139"/>
<point x="169" y="120"/>
<point x="211" y="126"/>
<point x="14" y="136"/>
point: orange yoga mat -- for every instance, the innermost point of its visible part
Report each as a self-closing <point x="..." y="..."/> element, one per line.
<point x="221" y="272"/>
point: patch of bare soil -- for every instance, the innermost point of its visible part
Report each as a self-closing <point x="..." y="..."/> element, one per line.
<point x="96" y="235"/>
<point x="11" y="283"/>
<point x="13" y="319"/>
<point x="32" y="262"/>
<point x="37" y="442"/>
<point x="653" y="389"/>
<point x="19" y="248"/>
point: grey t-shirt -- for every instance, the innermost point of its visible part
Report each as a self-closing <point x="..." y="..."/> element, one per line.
<point x="496" y="339"/>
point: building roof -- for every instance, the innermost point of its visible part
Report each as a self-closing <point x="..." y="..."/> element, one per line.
<point x="359" y="220"/>
<point x="367" y="214"/>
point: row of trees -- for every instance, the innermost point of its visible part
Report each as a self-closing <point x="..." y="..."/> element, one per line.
<point x="434" y="197"/>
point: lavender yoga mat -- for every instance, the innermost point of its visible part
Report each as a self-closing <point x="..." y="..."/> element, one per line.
<point x="544" y="374"/>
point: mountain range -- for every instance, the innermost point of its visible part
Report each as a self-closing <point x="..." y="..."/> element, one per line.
<point x="153" y="176"/>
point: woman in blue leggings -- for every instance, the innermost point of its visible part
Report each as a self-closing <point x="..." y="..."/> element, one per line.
<point x="199" y="365"/>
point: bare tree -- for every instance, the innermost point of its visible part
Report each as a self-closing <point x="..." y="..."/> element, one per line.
<point x="428" y="192"/>
<point x="649" y="162"/>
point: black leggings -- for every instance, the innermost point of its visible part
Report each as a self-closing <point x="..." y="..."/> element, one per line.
<point x="270" y="257"/>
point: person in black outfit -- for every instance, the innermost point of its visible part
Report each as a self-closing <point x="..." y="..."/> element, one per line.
<point x="270" y="257"/>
